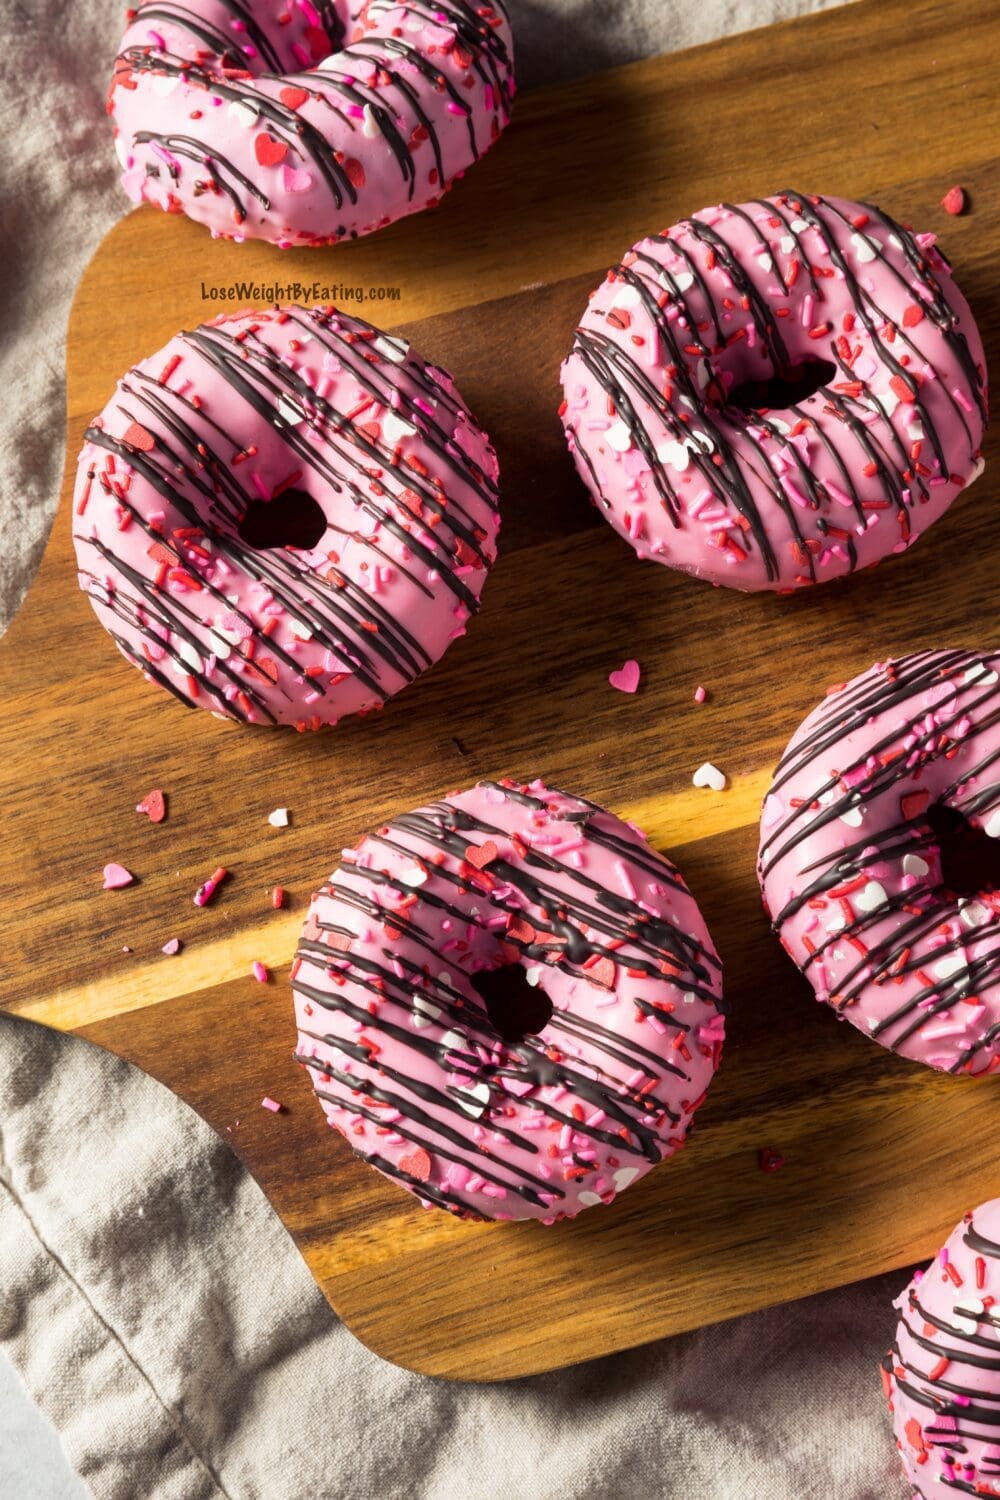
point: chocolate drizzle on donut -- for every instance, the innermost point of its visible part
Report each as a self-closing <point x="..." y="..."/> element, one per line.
<point x="957" y="1435"/>
<point x="537" y="909"/>
<point x="681" y="395"/>
<point x="194" y="466"/>
<point x="217" y="66"/>
<point x="927" y="919"/>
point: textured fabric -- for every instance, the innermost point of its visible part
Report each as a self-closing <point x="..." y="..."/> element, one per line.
<point x="151" y="1302"/>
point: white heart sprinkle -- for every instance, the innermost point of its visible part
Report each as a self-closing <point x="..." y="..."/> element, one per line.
<point x="424" y="1012"/>
<point x="189" y="656"/>
<point x="414" y="877"/>
<point x="474" y="1100"/>
<point x="863" y="248"/>
<point x="952" y="963"/>
<point x="627" y="296"/>
<point x="394" y="428"/>
<point x="121" y="151"/>
<point x="683" y="281"/>
<point x="872" y="897"/>
<point x="624" y="1176"/>
<point x="589" y="1199"/>
<point x="709" y="776"/>
<point x="853" y="817"/>
<point x="533" y="975"/>
<point x="370" y="126"/>
<point x="677" y="455"/>
<point x="453" y="1042"/>
<point x="992" y="825"/>
<point x="300" y="631"/>
<point x="278" y="818"/>
<point x="163" y="84"/>
<point x="914" y="865"/>
<point x="619" y="437"/>
<point x="799" y="226"/>
<point x="244" y="114"/>
<point x="974" y="913"/>
<point x="965" y="1323"/>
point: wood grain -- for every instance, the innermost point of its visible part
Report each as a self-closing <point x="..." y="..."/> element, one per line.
<point x="893" y="101"/>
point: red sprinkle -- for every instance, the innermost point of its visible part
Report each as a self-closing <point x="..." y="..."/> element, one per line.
<point x="953" y="201"/>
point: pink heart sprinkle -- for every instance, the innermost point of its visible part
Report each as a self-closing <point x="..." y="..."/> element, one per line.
<point x="626" y="679"/>
<point x="296" y="180"/>
<point x="116" y="877"/>
<point x="172" y="946"/>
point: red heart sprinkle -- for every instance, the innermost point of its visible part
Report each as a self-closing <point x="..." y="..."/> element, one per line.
<point x="340" y="942"/>
<point x="481" y="855"/>
<point x="416" y="1163"/>
<point x="913" y="804"/>
<point x="154" y="805"/>
<point x="138" y="437"/>
<point x="270" y="153"/>
<point x="162" y="554"/>
<point x="913" y="315"/>
<point x="294" y="98"/>
<point x="953" y="201"/>
<point x="770" y="1161"/>
<point x="355" y="172"/>
<point x="901" y="388"/>
<point x="603" y="973"/>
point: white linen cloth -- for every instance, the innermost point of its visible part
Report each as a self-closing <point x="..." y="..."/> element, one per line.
<point x="150" y="1301"/>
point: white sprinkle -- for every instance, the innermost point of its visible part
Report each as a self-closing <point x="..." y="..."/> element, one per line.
<point x="394" y="428"/>
<point x="863" y="248"/>
<point x="243" y="113"/>
<point x="677" y="455"/>
<point x="872" y="897"/>
<point x="289" y="412"/>
<point x="590" y="1199"/>
<point x="533" y="975"/>
<point x="278" y="818"/>
<point x="416" y="876"/>
<point x="992" y="825"/>
<point x="952" y="963"/>
<point x="395" y="350"/>
<point x="853" y="817"/>
<point x="914" y="865"/>
<point x="709" y="776"/>
<point x="619" y="437"/>
<point x="624" y="1176"/>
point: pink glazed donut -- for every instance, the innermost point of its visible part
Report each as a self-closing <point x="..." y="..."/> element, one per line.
<point x="700" y="326"/>
<point x="942" y="1375"/>
<point x="285" y="516"/>
<point x="850" y="866"/>
<point x="302" y="123"/>
<point x="404" y="1054"/>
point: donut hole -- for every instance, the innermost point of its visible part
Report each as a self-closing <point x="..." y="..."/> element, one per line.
<point x="970" y="859"/>
<point x="783" y="388"/>
<point x="291" y="519"/>
<point x="516" y="1008"/>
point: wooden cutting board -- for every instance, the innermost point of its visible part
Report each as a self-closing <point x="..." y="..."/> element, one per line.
<point x="893" y="101"/>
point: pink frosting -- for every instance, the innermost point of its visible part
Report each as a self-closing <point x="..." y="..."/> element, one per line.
<point x="404" y="1056"/>
<point x="677" y="343"/>
<point x="850" y="866"/>
<point x="236" y="429"/>
<point x="307" y="123"/>
<point x="942" y="1375"/>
